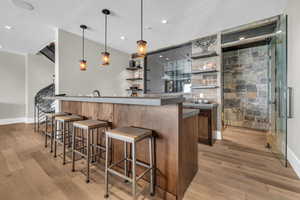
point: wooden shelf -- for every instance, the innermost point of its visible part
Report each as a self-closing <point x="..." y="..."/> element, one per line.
<point x="205" y="71"/>
<point x="134" y="79"/>
<point x="133" y="68"/>
<point x="205" y="87"/>
<point x="207" y="55"/>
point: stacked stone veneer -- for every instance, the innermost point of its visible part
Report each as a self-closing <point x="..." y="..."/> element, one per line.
<point x="246" y="87"/>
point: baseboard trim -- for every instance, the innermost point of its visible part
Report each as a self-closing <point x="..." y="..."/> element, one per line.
<point x="29" y="120"/>
<point x="12" y="121"/>
<point x="294" y="161"/>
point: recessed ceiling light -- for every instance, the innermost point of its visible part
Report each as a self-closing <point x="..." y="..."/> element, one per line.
<point x="122" y="37"/>
<point x="23" y="4"/>
<point x="164" y="21"/>
<point x="167" y="59"/>
<point x="160" y="56"/>
<point x="7" y="27"/>
<point x="242" y="38"/>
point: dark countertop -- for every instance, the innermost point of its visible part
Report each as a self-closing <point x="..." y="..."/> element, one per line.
<point x="200" y="106"/>
<point x="186" y="113"/>
<point x="151" y="101"/>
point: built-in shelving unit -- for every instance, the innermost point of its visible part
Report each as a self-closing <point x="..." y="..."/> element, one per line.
<point x="135" y="75"/>
<point x="206" y="73"/>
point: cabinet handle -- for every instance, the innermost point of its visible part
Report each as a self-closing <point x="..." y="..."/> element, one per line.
<point x="290" y="102"/>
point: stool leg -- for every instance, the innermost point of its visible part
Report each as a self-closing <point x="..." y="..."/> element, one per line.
<point x="46" y="131"/>
<point x="73" y="149"/>
<point x="93" y="142"/>
<point x="64" y="142"/>
<point x="152" y="174"/>
<point x="55" y="138"/>
<point x="52" y="135"/>
<point x="133" y="170"/>
<point x="88" y="156"/>
<point x="125" y="162"/>
<point x="106" y="166"/>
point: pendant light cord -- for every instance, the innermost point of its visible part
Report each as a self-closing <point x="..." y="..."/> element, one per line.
<point x="105" y="33"/>
<point x="142" y="15"/>
<point x="83" y="44"/>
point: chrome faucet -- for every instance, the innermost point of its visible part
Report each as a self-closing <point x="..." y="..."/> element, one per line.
<point x="96" y="93"/>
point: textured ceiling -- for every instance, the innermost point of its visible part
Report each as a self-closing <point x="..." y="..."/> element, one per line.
<point x="186" y="20"/>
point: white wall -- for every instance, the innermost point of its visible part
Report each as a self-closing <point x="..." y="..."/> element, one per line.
<point x="39" y="74"/>
<point x="12" y="87"/>
<point x="109" y="80"/>
<point x="293" y="81"/>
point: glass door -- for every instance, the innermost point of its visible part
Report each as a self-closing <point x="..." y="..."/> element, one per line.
<point x="277" y="139"/>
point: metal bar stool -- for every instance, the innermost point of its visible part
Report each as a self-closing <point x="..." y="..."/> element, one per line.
<point x="90" y="126"/>
<point x="130" y="135"/>
<point x="50" y="117"/>
<point x="65" y="123"/>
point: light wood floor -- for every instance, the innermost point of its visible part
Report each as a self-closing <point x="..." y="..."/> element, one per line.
<point x="237" y="168"/>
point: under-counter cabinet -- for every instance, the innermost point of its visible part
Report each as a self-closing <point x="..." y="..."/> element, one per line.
<point x="207" y="122"/>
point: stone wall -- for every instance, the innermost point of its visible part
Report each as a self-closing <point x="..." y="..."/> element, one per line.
<point x="246" y="87"/>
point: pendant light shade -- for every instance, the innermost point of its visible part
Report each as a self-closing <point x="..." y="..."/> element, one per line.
<point x="83" y="62"/>
<point x="105" y="54"/>
<point x="142" y="44"/>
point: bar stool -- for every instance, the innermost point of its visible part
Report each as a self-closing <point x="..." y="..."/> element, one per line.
<point x="51" y="117"/>
<point x="132" y="136"/>
<point x="89" y="126"/>
<point x="64" y="122"/>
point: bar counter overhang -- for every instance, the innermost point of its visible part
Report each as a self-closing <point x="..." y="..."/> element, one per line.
<point x="176" y="134"/>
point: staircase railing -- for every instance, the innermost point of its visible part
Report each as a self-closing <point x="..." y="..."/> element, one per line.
<point x="43" y="106"/>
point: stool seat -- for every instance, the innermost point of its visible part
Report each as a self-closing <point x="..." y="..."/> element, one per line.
<point x="90" y="124"/>
<point x="129" y="134"/>
<point x="57" y="114"/>
<point x="68" y="118"/>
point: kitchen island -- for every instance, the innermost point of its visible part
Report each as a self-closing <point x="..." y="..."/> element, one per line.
<point x="176" y="133"/>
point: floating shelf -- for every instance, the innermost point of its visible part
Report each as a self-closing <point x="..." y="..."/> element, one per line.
<point x="207" y="55"/>
<point x="205" y="71"/>
<point x="134" y="79"/>
<point x="133" y="68"/>
<point x="205" y="87"/>
<point x="134" y="89"/>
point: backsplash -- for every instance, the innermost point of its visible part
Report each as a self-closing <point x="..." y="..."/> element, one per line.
<point x="246" y="87"/>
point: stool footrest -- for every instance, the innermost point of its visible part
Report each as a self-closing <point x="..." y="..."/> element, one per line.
<point x="119" y="174"/>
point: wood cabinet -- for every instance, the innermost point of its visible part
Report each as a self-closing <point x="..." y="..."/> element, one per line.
<point x="207" y="123"/>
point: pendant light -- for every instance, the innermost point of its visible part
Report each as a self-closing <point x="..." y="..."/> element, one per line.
<point x="83" y="62"/>
<point x="105" y="54"/>
<point x="142" y="44"/>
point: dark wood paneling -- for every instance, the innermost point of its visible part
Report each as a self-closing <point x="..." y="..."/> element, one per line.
<point x="166" y="122"/>
<point x="188" y="153"/>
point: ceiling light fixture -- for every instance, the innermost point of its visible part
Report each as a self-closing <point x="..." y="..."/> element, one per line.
<point x="122" y="37"/>
<point x="142" y="44"/>
<point x="105" y="54"/>
<point x="164" y="21"/>
<point x="242" y="38"/>
<point x="83" y="62"/>
<point x="7" y="27"/>
<point x="23" y="4"/>
<point x="160" y="56"/>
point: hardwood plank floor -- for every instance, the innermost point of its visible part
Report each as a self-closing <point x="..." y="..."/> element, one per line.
<point x="237" y="168"/>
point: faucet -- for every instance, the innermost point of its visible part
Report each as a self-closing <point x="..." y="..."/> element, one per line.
<point x="96" y="93"/>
